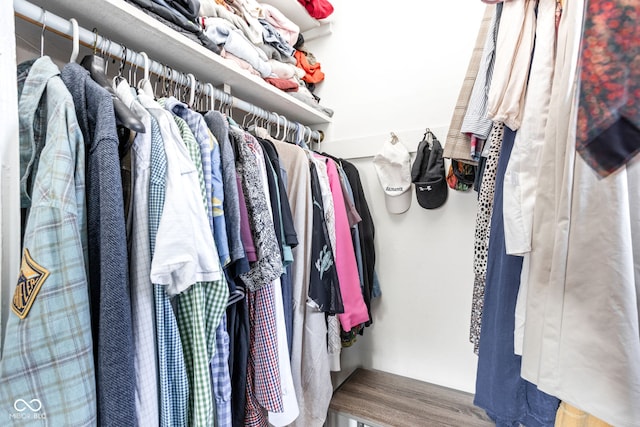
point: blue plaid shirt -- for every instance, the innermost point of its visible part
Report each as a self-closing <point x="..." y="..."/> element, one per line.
<point x="47" y="368"/>
<point x="173" y="384"/>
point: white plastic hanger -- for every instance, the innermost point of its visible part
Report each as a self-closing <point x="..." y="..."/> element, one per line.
<point x="75" y="40"/>
<point x="211" y="98"/>
<point x="192" y="90"/>
<point x="144" y="85"/>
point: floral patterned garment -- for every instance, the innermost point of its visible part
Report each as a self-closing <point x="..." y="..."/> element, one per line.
<point x="608" y="130"/>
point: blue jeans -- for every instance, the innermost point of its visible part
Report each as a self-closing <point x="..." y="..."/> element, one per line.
<point x="507" y="398"/>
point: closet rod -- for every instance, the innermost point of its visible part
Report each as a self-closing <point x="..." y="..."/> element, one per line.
<point x="37" y="15"/>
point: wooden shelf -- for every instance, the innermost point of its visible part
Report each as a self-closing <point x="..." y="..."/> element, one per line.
<point x="378" y="398"/>
<point x="126" y="24"/>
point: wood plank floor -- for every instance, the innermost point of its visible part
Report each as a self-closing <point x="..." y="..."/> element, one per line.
<point x="382" y="399"/>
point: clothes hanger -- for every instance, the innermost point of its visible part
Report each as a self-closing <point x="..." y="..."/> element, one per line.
<point x="175" y="84"/>
<point x="44" y="26"/>
<point x="96" y="65"/>
<point x="277" y="126"/>
<point x="309" y="133"/>
<point x="119" y="77"/>
<point x="285" y="129"/>
<point x="211" y="98"/>
<point x="178" y="84"/>
<point x="144" y="85"/>
<point x="160" y="80"/>
<point x="192" y="90"/>
<point x="229" y="105"/>
<point x="201" y="97"/>
<point x="133" y="74"/>
<point x="245" y="125"/>
<point x="179" y="87"/>
<point x="167" y="89"/>
<point x="75" y="40"/>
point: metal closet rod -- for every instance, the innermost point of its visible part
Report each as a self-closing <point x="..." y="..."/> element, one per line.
<point x="63" y="27"/>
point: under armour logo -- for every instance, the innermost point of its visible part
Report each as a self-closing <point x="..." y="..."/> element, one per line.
<point x="427" y="188"/>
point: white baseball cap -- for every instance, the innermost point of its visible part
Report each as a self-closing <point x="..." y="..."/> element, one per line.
<point x="393" y="166"/>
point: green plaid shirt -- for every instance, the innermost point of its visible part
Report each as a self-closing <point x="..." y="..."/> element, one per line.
<point x="200" y="309"/>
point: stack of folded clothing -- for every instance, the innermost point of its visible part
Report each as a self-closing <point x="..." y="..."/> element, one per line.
<point x="257" y="37"/>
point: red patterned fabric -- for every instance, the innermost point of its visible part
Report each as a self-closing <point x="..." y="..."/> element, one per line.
<point x="608" y="112"/>
<point x="264" y="391"/>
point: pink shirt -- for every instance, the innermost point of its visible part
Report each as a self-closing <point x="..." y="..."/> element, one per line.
<point x="355" y="310"/>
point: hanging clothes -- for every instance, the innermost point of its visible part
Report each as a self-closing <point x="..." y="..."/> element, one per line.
<point x="500" y="391"/>
<point x="511" y="69"/>
<point x="309" y="360"/>
<point x="608" y="112"/>
<point x="108" y="267"/>
<point x="173" y="383"/>
<point x="289" y="238"/>
<point x="458" y="144"/>
<point x="579" y="302"/>
<point x="483" y="231"/>
<point x="363" y="232"/>
<point x="476" y="122"/>
<point x="324" y="288"/>
<point x="519" y="190"/>
<point x="324" y="285"/>
<point x="355" y="311"/>
<point x="290" y="409"/>
<point x="142" y="300"/>
<point x="238" y="262"/>
<point x="48" y="332"/>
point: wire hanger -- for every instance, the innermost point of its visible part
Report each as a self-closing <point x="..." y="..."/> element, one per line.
<point x="123" y="58"/>
<point x="44" y="26"/>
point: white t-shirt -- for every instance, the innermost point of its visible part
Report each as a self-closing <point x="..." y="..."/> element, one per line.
<point x="185" y="251"/>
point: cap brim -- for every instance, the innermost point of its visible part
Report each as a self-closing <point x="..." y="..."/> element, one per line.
<point x="433" y="194"/>
<point x="398" y="204"/>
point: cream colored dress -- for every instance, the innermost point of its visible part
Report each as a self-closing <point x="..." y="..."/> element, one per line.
<point x="581" y="336"/>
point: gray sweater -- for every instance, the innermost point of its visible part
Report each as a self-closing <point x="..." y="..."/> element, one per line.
<point x="108" y="260"/>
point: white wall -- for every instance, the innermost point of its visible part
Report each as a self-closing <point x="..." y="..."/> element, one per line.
<point x="9" y="166"/>
<point x="398" y="66"/>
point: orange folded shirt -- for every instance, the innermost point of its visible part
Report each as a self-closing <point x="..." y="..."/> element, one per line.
<point x="313" y="72"/>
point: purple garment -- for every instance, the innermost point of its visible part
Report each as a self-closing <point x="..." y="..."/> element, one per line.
<point x="245" y="229"/>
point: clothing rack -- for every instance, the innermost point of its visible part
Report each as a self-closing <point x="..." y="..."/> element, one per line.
<point x="66" y="28"/>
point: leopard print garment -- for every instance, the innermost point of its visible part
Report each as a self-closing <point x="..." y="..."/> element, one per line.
<point x="483" y="225"/>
